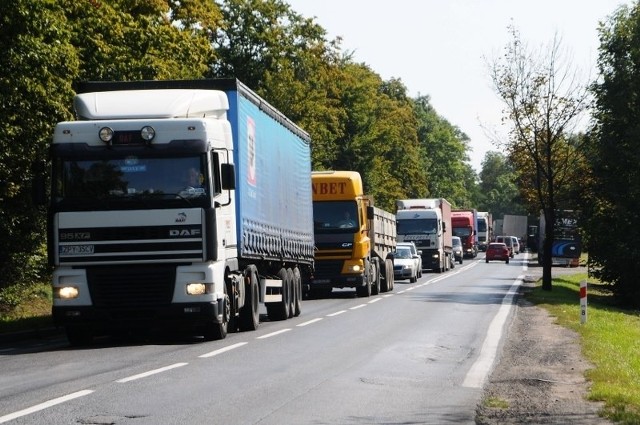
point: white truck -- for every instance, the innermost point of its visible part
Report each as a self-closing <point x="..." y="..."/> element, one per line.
<point x="177" y="204"/>
<point x="427" y="223"/>
<point x="485" y="225"/>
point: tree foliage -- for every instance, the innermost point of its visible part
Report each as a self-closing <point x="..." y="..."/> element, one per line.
<point x="357" y="120"/>
<point x="37" y="67"/>
<point x="613" y="209"/>
<point x="544" y="100"/>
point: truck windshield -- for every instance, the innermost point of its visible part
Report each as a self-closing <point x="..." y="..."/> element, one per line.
<point x="462" y="232"/>
<point x="416" y="226"/>
<point x="335" y="216"/>
<point x="117" y="182"/>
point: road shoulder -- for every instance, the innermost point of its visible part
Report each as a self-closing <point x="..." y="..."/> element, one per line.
<point x="539" y="375"/>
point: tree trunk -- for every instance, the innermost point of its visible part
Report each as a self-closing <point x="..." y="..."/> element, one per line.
<point x="547" y="260"/>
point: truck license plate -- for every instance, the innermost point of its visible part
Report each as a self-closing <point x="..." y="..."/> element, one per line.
<point x="76" y="249"/>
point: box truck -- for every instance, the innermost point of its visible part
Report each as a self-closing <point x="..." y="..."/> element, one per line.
<point x="177" y="204"/>
<point x="485" y="225"/>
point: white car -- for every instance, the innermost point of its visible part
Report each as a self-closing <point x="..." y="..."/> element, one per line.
<point x="414" y="251"/>
<point x="405" y="264"/>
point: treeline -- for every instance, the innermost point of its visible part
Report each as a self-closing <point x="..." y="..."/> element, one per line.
<point x="357" y="120"/>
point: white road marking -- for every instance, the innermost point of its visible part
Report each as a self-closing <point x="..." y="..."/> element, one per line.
<point x="281" y="331"/>
<point x="42" y="406"/>
<point x="309" y="322"/>
<point x="336" y="313"/>
<point x="151" y="372"/>
<point x="222" y="350"/>
<point x="355" y="307"/>
<point x="375" y="300"/>
<point x="478" y="373"/>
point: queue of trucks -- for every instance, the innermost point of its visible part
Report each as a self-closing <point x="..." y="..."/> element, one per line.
<point x="188" y="204"/>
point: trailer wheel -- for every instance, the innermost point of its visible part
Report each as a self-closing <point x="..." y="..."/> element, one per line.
<point x="297" y="283"/>
<point x="292" y="293"/>
<point x="280" y="310"/>
<point x="249" y="314"/>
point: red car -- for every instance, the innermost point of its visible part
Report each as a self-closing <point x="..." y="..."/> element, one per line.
<point x="497" y="251"/>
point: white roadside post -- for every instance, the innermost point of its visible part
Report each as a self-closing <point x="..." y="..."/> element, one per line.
<point x="583" y="301"/>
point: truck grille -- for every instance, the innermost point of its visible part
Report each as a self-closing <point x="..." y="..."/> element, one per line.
<point x="122" y="287"/>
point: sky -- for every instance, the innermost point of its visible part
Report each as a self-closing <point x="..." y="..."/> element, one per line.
<point x="441" y="48"/>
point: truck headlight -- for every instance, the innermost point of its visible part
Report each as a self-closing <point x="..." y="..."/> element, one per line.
<point x="199" y="288"/>
<point x="355" y="268"/>
<point x="66" y="292"/>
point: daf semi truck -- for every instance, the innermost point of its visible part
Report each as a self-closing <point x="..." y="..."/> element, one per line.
<point x="354" y="239"/>
<point x="177" y="204"/>
<point x="427" y="223"/>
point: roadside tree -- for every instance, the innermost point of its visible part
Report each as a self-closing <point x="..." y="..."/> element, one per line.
<point x="613" y="210"/>
<point x="544" y="102"/>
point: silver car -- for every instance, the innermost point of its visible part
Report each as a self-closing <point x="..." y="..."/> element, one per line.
<point x="456" y="242"/>
<point x="414" y="251"/>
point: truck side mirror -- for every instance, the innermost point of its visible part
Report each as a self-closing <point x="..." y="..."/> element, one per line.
<point x="370" y="213"/>
<point x="228" y="176"/>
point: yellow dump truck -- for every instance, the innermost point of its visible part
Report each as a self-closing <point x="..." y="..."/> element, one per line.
<point x="354" y="241"/>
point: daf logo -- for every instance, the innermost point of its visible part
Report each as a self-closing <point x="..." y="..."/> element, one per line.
<point x="175" y="233"/>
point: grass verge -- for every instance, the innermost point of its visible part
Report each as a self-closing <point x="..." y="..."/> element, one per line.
<point x="610" y="340"/>
<point x="25" y="308"/>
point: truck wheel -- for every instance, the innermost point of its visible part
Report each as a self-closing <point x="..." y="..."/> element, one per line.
<point x="280" y="310"/>
<point x="218" y="329"/>
<point x="292" y="293"/>
<point x="384" y="281"/>
<point x="249" y="314"/>
<point x="297" y="283"/>
<point x="79" y="336"/>
<point x="389" y="274"/>
<point x="375" y="278"/>
<point x="365" y="290"/>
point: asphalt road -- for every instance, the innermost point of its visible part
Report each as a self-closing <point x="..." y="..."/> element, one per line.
<point x="418" y="355"/>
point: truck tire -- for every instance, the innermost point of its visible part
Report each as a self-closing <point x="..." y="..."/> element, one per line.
<point x="218" y="329"/>
<point x="292" y="293"/>
<point x="249" y="314"/>
<point x="365" y="290"/>
<point x="391" y="280"/>
<point x="280" y="310"/>
<point x="297" y="283"/>
<point x="384" y="277"/>
<point x="375" y="278"/>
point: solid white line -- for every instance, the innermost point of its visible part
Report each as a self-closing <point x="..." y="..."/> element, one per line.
<point x="151" y="372"/>
<point x="478" y="373"/>
<point x="357" y="306"/>
<point x="274" y="333"/>
<point x="222" y="350"/>
<point x="42" y="406"/>
<point x="309" y="322"/>
<point x="336" y="313"/>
